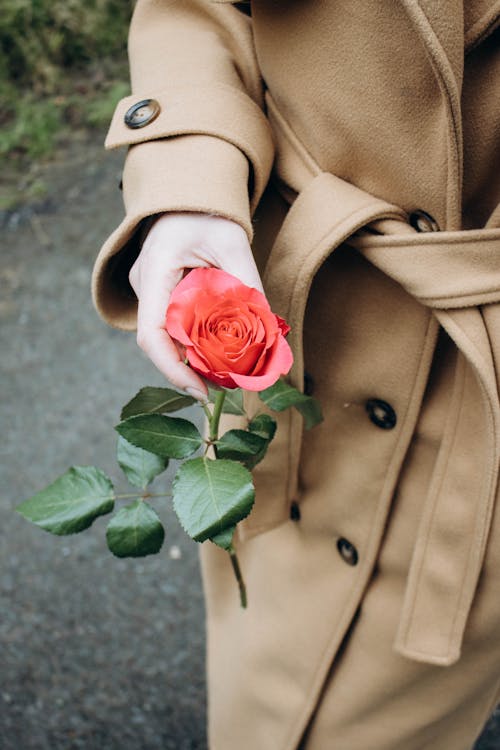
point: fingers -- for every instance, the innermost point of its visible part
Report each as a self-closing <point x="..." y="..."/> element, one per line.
<point x="155" y="290"/>
<point x="163" y="353"/>
<point x="197" y="240"/>
<point x="178" y="242"/>
<point x="240" y="263"/>
<point x="231" y="251"/>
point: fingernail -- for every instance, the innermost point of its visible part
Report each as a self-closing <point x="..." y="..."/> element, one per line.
<point x="195" y="393"/>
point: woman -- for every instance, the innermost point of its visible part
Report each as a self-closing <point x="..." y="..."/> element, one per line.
<point x="372" y="553"/>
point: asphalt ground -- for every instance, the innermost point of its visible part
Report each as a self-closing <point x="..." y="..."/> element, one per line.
<point x="96" y="653"/>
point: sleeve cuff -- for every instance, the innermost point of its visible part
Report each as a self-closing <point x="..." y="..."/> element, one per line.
<point x="221" y="111"/>
<point x="186" y="173"/>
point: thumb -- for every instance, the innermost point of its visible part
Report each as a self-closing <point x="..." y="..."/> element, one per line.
<point x="237" y="259"/>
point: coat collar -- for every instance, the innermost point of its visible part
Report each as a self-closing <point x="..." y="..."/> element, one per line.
<point x="441" y="25"/>
<point x="446" y="29"/>
<point x="481" y="19"/>
<point x="444" y="47"/>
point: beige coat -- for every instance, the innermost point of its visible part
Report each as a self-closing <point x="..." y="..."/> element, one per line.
<point x="374" y="619"/>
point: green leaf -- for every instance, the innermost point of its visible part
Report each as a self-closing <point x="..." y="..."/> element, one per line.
<point x="164" y="436"/>
<point x="239" y="445"/>
<point x="224" y="538"/>
<point x="72" y="502"/>
<point x="135" y="531"/>
<point x="282" y="395"/>
<point x="311" y="411"/>
<point x="140" y="466"/>
<point x="151" y="400"/>
<point x="233" y="402"/>
<point x="211" y="495"/>
<point x="263" y="425"/>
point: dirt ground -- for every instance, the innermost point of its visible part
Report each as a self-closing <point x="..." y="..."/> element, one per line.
<point x="96" y="653"/>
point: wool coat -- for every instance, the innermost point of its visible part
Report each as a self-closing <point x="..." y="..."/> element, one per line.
<point x="358" y="144"/>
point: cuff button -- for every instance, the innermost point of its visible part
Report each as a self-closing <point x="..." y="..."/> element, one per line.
<point x="141" y="113"/>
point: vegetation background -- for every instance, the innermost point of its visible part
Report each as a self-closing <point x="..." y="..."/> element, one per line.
<point x="63" y="67"/>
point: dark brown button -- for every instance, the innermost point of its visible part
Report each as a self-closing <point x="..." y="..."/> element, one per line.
<point x="294" y="512"/>
<point x="141" y="113"/>
<point x="423" y="222"/>
<point x="381" y="413"/>
<point x="308" y="384"/>
<point x="347" y="551"/>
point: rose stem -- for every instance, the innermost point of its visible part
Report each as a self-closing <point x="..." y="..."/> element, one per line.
<point x="213" y="436"/>
<point x="215" y="418"/>
<point x="239" y="577"/>
<point x="207" y="411"/>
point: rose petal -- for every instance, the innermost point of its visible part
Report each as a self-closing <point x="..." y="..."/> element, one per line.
<point x="223" y="379"/>
<point x="283" y="325"/>
<point x="245" y="362"/>
<point x="279" y="364"/>
<point x="230" y="333"/>
<point x="179" y="316"/>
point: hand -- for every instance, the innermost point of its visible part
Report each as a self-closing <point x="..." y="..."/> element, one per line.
<point x="178" y="242"/>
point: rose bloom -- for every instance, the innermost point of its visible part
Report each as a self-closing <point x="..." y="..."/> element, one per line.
<point x="229" y="332"/>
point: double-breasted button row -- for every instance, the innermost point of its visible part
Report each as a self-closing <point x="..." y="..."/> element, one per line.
<point x="347" y="551"/>
<point x="381" y="413"/>
<point x="141" y="113"/>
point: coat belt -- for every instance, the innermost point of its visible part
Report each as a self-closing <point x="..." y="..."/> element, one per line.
<point x="456" y="275"/>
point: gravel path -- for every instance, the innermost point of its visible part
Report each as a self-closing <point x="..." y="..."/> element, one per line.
<point x="95" y="653"/>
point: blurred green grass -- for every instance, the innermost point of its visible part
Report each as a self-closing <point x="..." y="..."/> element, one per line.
<point x="63" y="67"/>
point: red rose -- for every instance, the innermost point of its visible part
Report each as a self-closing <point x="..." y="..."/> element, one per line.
<point x="230" y="334"/>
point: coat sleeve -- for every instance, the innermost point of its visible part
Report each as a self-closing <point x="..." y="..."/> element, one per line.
<point x="209" y="148"/>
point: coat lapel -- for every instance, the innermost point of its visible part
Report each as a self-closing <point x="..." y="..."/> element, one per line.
<point x="481" y="18"/>
<point x="446" y="19"/>
<point x="443" y="43"/>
